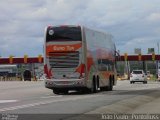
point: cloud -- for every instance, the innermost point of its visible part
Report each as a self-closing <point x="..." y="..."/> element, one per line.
<point x="143" y="43"/>
<point x="154" y="17"/>
<point x="131" y="22"/>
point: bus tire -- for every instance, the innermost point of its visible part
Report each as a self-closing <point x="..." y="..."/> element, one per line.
<point x="94" y="85"/>
<point x="60" y="91"/>
<point x="56" y="91"/>
<point x="98" y="86"/>
<point x="110" y="87"/>
<point x="64" y="91"/>
<point x="145" y="82"/>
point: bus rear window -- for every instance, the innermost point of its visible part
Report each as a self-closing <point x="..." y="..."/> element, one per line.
<point x="137" y="72"/>
<point x="63" y="34"/>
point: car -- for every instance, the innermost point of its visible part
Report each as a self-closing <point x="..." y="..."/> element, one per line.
<point x="138" y="76"/>
<point x="27" y="75"/>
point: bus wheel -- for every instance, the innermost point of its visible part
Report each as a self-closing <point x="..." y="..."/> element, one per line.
<point x="56" y="91"/>
<point x="110" y="87"/>
<point x="64" y="92"/>
<point x="59" y="91"/>
<point x="94" y="87"/>
<point x="98" y="86"/>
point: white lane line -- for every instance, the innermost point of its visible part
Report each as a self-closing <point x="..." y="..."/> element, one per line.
<point x="7" y="101"/>
<point x="46" y="102"/>
<point x="51" y="96"/>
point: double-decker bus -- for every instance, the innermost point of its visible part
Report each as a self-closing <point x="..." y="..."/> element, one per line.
<point x="78" y="58"/>
<point x="158" y="70"/>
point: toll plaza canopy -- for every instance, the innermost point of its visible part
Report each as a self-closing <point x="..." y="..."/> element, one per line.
<point x="152" y="57"/>
<point x="39" y="59"/>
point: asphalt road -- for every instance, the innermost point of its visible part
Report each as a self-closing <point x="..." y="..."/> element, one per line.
<point x="32" y="98"/>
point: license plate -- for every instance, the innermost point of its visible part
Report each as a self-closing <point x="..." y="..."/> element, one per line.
<point x="65" y="82"/>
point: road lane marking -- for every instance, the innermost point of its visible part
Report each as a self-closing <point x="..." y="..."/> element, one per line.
<point x="51" y="96"/>
<point x="7" y="101"/>
<point x="46" y="102"/>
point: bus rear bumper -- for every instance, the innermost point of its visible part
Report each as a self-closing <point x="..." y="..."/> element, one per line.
<point x="65" y="83"/>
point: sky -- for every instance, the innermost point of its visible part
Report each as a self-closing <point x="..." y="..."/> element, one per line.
<point x="133" y="23"/>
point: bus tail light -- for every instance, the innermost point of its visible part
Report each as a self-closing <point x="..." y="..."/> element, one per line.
<point x="81" y="75"/>
<point x="81" y="70"/>
<point x="47" y="72"/>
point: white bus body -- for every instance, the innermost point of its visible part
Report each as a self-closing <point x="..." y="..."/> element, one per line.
<point x="158" y="71"/>
<point x="78" y="58"/>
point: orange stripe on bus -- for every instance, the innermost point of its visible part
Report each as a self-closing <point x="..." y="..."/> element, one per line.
<point x="62" y="48"/>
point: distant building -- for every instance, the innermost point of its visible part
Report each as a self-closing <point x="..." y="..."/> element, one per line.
<point x="8" y="69"/>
